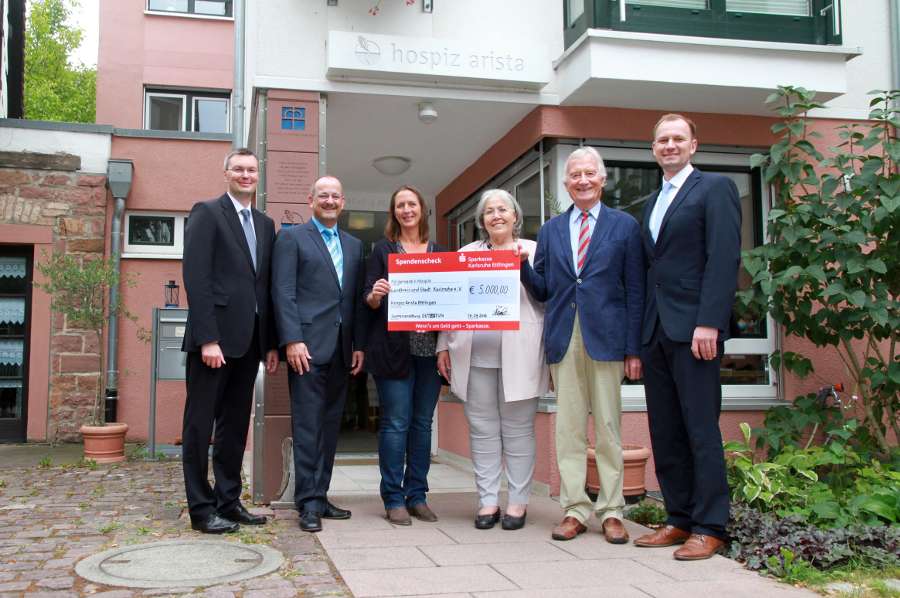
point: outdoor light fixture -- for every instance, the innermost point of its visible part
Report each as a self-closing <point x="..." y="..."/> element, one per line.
<point x="427" y="112"/>
<point x="172" y="294"/>
<point x="391" y="165"/>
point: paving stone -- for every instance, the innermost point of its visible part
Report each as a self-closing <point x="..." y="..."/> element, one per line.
<point x="57" y="583"/>
<point x="59" y="563"/>
<point x="14" y="586"/>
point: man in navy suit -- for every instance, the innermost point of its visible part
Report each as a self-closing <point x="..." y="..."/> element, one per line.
<point x="588" y="268"/>
<point x="317" y="284"/>
<point x="227" y="252"/>
<point x="692" y="243"/>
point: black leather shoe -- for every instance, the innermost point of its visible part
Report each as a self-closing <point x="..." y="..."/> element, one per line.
<point x="334" y="512"/>
<point x="310" y="522"/>
<point x="487" y="521"/>
<point x="513" y="522"/>
<point x="241" y="515"/>
<point x="213" y="524"/>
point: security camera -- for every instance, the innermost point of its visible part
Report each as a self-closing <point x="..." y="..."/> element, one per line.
<point x="427" y="112"/>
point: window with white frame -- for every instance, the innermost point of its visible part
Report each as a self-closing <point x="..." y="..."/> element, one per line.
<point x="197" y="111"/>
<point x="154" y="235"/>
<point x="206" y="8"/>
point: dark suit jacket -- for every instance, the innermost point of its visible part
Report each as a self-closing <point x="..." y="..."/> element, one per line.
<point x="608" y="294"/>
<point x="223" y="290"/>
<point x="692" y="268"/>
<point x="310" y="305"/>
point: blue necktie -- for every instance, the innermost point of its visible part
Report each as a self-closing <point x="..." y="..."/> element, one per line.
<point x="249" y="234"/>
<point x="659" y="210"/>
<point x="334" y="248"/>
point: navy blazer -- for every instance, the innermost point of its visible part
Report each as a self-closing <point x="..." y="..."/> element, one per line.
<point x="310" y="305"/>
<point x="692" y="269"/>
<point x="224" y="291"/>
<point x="608" y="294"/>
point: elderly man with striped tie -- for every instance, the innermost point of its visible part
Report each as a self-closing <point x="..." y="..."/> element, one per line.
<point x="588" y="268"/>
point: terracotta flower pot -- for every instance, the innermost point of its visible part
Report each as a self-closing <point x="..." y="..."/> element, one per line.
<point x="105" y="444"/>
<point x="635" y="457"/>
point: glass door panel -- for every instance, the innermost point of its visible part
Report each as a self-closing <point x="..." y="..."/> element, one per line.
<point x="15" y="286"/>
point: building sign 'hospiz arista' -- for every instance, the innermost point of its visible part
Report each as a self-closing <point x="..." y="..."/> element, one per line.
<point x="368" y="56"/>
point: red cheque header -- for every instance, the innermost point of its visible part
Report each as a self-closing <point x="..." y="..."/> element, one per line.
<point x="452" y="261"/>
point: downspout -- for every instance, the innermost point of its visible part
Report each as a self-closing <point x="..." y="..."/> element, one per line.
<point x="119" y="177"/>
<point x="237" y="94"/>
<point x="895" y="44"/>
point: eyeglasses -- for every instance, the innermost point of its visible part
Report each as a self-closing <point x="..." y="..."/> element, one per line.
<point x="241" y="171"/>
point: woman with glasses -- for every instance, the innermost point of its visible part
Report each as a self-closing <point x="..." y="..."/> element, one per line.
<point x="404" y="367"/>
<point x="500" y="375"/>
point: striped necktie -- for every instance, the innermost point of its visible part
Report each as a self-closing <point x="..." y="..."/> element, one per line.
<point x="334" y="248"/>
<point x="584" y="239"/>
<point x="249" y="234"/>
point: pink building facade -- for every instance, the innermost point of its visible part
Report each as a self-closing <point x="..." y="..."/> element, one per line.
<point x="332" y="89"/>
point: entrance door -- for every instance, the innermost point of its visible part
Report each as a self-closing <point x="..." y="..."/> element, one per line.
<point x="15" y="301"/>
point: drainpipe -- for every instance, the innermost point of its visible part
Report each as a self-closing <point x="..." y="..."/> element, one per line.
<point x="119" y="174"/>
<point x="895" y="44"/>
<point x="237" y="94"/>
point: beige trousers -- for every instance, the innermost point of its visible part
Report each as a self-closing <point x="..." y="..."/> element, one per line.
<point x="583" y="384"/>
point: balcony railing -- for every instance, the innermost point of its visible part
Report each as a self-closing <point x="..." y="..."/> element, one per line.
<point x="796" y="21"/>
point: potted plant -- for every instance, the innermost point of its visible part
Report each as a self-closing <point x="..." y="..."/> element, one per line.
<point x="78" y="286"/>
<point x="635" y="458"/>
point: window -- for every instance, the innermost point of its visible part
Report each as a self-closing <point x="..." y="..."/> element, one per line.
<point x="293" y="118"/>
<point x="797" y="21"/>
<point x="154" y="235"/>
<point x="198" y="111"/>
<point x="211" y="8"/>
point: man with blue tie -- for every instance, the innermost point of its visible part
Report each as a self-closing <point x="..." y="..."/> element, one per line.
<point x="692" y="243"/>
<point x="227" y="253"/>
<point x="317" y="284"/>
<point x="588" y="268"/>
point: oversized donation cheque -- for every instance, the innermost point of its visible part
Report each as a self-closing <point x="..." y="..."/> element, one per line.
<point x="477" y="290"/>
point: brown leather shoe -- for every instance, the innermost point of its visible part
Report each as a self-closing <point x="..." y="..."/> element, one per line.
<point x="423" y="512"/>
<point x="568" y="528"/>
<point x="398" y="516"/>
<point x="614" y="531"/>
<point x="668" y="535"/>
<point x="699" y="547"/>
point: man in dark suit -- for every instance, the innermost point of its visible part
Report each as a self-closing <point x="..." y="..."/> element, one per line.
<point x="227" y="253"/>
<point x="317" y="284"/>
<point x="692" y="244"/>
<point x="588" y="268"/>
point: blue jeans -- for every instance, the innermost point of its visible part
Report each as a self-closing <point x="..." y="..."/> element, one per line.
<point x="404" y="435"/>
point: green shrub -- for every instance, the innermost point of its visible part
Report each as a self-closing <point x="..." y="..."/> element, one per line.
<point x="828" y="485"/>
<point x="648" y="512"/>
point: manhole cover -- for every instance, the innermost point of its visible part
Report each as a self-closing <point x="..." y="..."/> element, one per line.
<point x="179" y="563"/>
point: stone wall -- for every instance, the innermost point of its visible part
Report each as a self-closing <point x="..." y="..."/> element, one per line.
<point x="47" y="190"/>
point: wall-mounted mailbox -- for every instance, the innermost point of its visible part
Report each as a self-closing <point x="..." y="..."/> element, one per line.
<point x="170" y="361"/>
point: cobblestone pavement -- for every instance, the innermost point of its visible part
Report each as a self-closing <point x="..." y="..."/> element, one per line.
<point x="53" y="516"/>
